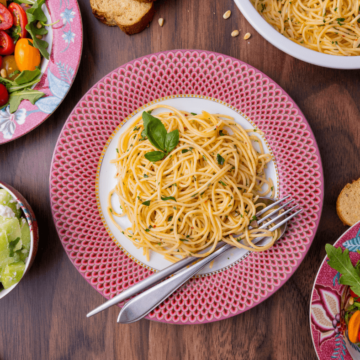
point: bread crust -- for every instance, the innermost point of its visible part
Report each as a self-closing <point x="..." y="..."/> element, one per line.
<point x="111" y="20"/>
<point x="140" y="25"/>
<point x="339" y="207"/>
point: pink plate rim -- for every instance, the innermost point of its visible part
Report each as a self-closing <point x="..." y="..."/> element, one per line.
<point x="325" y="278"/>
<point x="232" y="61"/>
<point x="58" y="77"/>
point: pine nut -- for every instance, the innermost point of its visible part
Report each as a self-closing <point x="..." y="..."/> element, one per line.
<point x="38" y="25"/>
<point x="227" y="14"/>
<point x="161" y="21"/>
<point x="351" y="300"/>
<point x="247" y="36"/>
<point x="3" y="73"/>
<point x="235" y="33"/>
<point x="39" y="37"/>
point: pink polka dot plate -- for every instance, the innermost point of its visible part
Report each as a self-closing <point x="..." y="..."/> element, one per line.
<point x="327" y="303"/>
<point x="188" y="78"/>
<point x="58" y="73"/>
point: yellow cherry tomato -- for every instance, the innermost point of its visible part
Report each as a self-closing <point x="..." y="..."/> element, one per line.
<point x="9" y="64"/>
<point x="26" y="56"/>
<point x="3" y="2"/>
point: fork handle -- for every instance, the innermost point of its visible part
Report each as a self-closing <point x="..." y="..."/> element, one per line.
<point x="138" y="307"/>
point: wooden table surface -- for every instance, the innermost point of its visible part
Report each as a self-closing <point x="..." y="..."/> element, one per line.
<point x="44" y="317"/>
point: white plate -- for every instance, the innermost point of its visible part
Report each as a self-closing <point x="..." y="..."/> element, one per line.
<point x="107" y="180"/>
<point x="291" y="48"/>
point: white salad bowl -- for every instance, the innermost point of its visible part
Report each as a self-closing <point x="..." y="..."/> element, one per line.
<point x="291" y="48"/>
<point x="34" y="232"/>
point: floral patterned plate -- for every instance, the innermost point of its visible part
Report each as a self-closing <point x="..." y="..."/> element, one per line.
<point x="65" y="47"/>
<point x="191" y="76"/>
<point x="327" y="302"/>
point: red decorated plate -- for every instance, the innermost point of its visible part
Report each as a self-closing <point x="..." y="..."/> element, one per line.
<point x="327" y="302"/>
<point x="65" y="41"/>
<point x="183" y="78"/>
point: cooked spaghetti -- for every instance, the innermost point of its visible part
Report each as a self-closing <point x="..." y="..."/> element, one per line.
<point x="329" y="26"/>
<point x="204" y="191"/>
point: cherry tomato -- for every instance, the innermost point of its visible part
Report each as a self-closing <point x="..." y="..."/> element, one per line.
<point x="353" y="294"/>
<point x="27" y="57"/>
<point x="4" y="95"/>
<point x="19" y="17"/>
<point x="359" y="336"/>
<point x="7" y="45"/>
<point x="6" y="19"/>
<point x="9" y="64"/>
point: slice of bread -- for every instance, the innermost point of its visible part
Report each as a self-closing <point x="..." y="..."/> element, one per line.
<point x="131" y="16"/>
<point x="348" y="203"/>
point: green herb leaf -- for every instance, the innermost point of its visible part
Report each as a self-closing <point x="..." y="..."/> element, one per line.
<point x="40" y="44"/>
<point x="16" y="72"/>
<point x="341" y="262"/>
<point x="35" y="13"/>
<point x="183" y="240"/>
<point x="143" y="134"/>
<point x="27" y="94"/>
<point x="155" y="130"/>
<point x="27" y="76"/>
<point x="184" y="151"/>
<point x="170" y="218"/>
<point x="164" y="198"/>
<point x="12" y="245"/>
<point x="147" y="230"/>
<point x="146" y="203"/>
<point x="222" y="183"/>
<point x="154" y="156"/>
<point x="171" y="140"/>
<point x="146" y="176"/>
<point x="220" y="159"/>
<point x="193" y="113"/>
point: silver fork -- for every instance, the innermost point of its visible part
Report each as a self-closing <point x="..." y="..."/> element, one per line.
<point x="174" y="268"/>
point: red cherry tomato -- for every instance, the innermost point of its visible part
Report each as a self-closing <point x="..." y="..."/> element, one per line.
<point x="7" y="45"/>
<point x="19" y="17"/>
<point x="6" y="19"/>
<point x="4" y="95"/>
<point x="353" y="294"/>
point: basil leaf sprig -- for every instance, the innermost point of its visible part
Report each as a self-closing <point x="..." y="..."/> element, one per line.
<point x="159" y="137"/>
<point x="340" y="261"/>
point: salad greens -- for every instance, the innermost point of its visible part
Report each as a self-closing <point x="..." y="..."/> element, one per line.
<point x="159" y="137"/>
<point x="341" y="262"/>
<point x="14" y="241"/>
<point x="20" y="88"/>
<point x="35" y="14"/>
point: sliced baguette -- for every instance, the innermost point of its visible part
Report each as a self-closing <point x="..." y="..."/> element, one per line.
<point x="348" y="203"/>
<point x="131" y="16"/>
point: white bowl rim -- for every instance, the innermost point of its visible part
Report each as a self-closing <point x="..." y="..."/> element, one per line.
<point x="4" y="292"/>
<point x="291" y="48"/>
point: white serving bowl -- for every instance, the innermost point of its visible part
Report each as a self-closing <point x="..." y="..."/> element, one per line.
<point x="291" y="48"/>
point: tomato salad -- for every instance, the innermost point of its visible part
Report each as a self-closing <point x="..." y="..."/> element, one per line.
<point x="22" y="27"/>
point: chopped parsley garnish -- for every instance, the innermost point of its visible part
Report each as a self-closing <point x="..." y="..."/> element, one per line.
<point x="146" y="176"/>
<point x="220" y="159"/>
<point x="222" y="183"/>
<point x="146" y="203"/>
